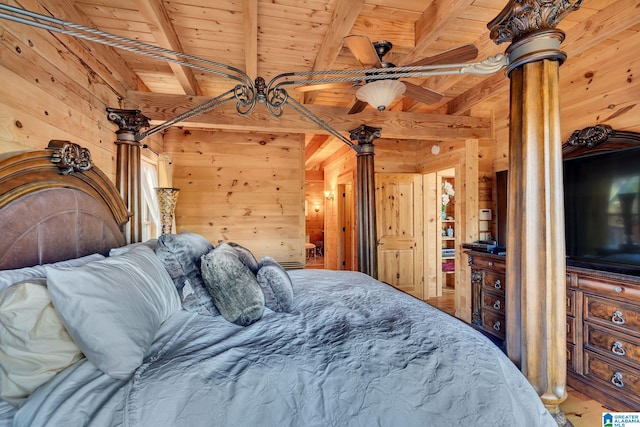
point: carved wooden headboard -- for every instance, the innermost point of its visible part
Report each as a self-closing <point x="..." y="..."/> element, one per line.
<point x="54" y="205"/>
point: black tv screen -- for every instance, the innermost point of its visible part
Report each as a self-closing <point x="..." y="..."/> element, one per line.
<point x="602" y="211"/>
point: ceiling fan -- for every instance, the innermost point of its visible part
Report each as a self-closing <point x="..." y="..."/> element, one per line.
<point x="370" y="55"/>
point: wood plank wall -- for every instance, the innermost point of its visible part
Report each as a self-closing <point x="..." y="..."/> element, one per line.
<point x="53" y="89"/>
<point x="245" y="188"/>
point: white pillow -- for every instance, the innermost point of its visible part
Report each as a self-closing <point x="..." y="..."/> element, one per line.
<point x="34" y="344"/>
<point x="113" y="308"/>
<point x="9" y="277"/>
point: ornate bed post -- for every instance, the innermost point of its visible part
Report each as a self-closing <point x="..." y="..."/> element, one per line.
<point x="128" y="166"/>
<point x="366" y="200"/>
<point x="536" y="274"/>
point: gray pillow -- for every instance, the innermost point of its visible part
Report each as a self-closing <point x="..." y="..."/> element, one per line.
<point x="180" y="254"/>
<point x="275" y="284"/>
<point x="151" y="243"/>
<point x="246" y="256"/>
<point x="232" y="285"/>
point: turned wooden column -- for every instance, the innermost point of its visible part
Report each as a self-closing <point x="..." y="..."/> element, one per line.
<point x="128" y="174"/>
<point x="366" y="199"/>
<point x="535" y="270"/>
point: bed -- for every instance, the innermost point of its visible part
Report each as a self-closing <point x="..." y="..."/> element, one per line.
<point x="156" y="335"/>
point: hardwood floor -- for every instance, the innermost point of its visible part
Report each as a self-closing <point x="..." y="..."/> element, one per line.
<point x="315" y="262"/>
<point x="581" y="410"/>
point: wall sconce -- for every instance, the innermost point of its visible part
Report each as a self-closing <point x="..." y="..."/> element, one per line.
<point x="316" y="208"/>
<point x="328" y="195"/>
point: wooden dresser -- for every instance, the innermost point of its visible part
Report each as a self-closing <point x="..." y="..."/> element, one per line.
<point x="488" y="293"/>
<point x="603" y="336"/>
<point x="603" y="327"/>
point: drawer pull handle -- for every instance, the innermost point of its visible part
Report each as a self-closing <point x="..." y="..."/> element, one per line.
<point x="618" y="349"/>
<point x="490" y="263"/>
<point x="616" y="380"/>
<point x="617" y="318"/>
<point x="497" y="305"/>
<point x="497" y="284"/>
<point x="497" y="326"/>
<point x="618" y="289"/>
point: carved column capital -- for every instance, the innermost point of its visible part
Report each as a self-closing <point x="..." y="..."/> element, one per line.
<point x="365" y="135"/>
<point x="129" y="123"/>
<point x="520" y="18"/>
<point x="530" y="27"/>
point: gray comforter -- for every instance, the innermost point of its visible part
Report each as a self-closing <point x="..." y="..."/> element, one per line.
<point x="352" y="352"/>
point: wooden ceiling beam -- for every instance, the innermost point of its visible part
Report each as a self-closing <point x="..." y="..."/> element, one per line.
<point x="329" y="147"/>
<point x="316" y="143"/>
<point x="339" y="154"/>
<point x="105" y="61"/>
<point x="344" y="16"/>
<point x="160" y="26"/>
<point x="432" y="24"/>
<point x="399" y="125"/>
<point x="250" y="23"/>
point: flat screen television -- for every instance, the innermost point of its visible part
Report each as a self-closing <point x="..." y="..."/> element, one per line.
<point x="602" y="211"/>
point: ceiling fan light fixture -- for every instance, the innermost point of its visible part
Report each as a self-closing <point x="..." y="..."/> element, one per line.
<point x="380" y="93"/>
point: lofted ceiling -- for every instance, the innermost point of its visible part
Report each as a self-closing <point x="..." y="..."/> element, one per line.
<point x="268" y="37"/>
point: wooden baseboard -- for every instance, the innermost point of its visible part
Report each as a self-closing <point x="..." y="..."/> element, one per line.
<point x="619" y="403"/>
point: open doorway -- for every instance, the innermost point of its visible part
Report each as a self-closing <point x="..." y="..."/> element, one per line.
<point x="314" y="223"/>
<point x="441" y="240"/>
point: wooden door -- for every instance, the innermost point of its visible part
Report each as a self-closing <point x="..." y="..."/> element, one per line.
<point x="399" y="229"/>
<point x="346" y="228"/>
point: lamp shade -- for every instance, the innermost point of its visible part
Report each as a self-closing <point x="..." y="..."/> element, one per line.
<point x="380" y="93"/>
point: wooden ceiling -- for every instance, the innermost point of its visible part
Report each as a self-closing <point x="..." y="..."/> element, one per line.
<point x="600" y="80"/>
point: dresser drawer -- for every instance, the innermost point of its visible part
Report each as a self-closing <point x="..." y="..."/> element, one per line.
<point x="571" y="330"/>
<point x="615" y="289"/>
<point x="617" y="346"/>
<point x="571" y="361"/>
<point x="493" y="301"/>
<point x="494" y="281"/>
<point x="571" y="302"/>
<point x="493" y="323"/>
<point x="488" y="263"/>
<point x="616" y="378"/>
<point x="612" y="313"/>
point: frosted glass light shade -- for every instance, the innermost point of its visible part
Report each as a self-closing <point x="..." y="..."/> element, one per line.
<point x="380" y="93"/>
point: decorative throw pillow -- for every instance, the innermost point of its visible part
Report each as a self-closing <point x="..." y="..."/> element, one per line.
<point x="113" y="308"/>
<point x="246" y="256"/>
<point x="34" y="344"/>
<point x="275" y="284"/>
<point x="232" y="285"/>
<point x="180" y="254"/>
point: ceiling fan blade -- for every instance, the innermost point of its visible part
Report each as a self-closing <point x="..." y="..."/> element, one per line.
<point x="464" y="53"/>
<point x="323" y="86"/>
<point x="422" y="94"/>
<point x="363" y="50"/>
<point x="357" y="107"/>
